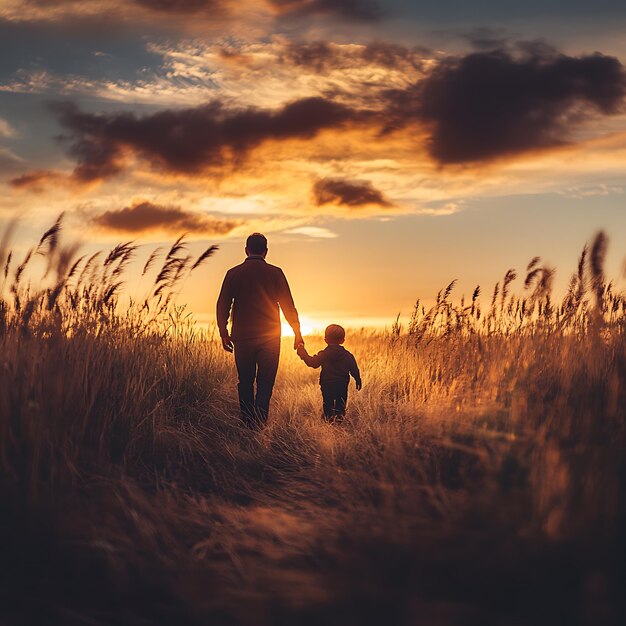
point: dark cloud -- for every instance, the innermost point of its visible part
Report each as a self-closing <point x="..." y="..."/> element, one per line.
<point x="146" y="216"/>
<point x="189" y="140"/>
<point x="350" y="193"/>
<point x="36" y="180"/>
<point x="182" y="6"/>
<point x="317" y="54"/>
<point x="322" y="56"/>
<point x="365" y="10"/>
<point x="491" y="104"/>
<point x="165" y="6"/>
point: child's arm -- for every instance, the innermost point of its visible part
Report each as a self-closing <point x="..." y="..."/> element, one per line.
<point x="314" y="361"/>
<point x="356" y="374"/>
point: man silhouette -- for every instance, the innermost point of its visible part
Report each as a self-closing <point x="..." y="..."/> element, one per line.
<point x="255" y="289"/>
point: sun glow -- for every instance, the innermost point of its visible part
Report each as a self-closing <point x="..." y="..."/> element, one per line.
<point x="307" y="326"/>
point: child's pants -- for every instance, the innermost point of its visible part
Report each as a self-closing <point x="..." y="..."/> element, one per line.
<point x="335" y="397"/>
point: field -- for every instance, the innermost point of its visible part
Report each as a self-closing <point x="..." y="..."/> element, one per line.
<point x="480" y="477"/>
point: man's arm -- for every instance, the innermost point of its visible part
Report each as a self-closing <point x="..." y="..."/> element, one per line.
<point x="224" y="303"/>
<point x="314" y="361"/>
<point x="354" y="370"/>
<point x="285" y="300"/>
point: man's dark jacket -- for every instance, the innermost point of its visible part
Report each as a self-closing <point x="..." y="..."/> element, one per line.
<point x="255" y="289"/>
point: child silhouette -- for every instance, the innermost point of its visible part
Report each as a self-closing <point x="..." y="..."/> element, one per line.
<point x="337" y="364"/>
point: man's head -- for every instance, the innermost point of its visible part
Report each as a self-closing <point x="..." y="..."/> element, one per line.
<point x="334" y="335"/>
<point x="256" y="244"/>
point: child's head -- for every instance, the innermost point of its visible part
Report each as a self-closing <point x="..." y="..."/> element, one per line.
<point x="334" y="334"/>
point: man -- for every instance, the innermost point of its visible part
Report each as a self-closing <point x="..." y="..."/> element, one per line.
<point x="255" y="289"/>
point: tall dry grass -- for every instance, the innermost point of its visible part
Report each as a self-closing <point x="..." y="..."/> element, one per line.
<point x="480" y="478"/>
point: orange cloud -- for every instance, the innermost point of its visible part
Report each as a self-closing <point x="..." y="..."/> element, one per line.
<point x="184" y="13"/>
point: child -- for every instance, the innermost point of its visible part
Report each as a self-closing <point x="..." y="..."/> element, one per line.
<point x="337" y="365"/>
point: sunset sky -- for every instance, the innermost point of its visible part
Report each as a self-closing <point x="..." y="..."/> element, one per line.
<point x="383" y="148"/>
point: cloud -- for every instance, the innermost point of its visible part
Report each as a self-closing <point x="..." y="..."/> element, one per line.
<point x="192" y="12"/>
<point x="188" y="141"/>
<point x="350" y="193"/>
<point x="181" y="6"/>
<point x="98" y="16"/>
<point x="272" y="72"/>
<point x="37" y="180"/>
<point x="323" y="56"/>
<point x="461" y="109"/>
<point x="316" y="232"/>
<point x="167" y="6"/>
<point x="350" y="9"/>
<point x="6" y="130"/>
<point x="487" y="105"/>
<point x="590" y="191"/>
<point x="147" y="216"/>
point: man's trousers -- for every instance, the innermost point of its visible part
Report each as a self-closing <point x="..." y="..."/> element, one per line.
<point x="256" y="359"/>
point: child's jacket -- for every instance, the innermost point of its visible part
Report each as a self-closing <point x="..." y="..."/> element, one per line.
<point x="336" y="362"/>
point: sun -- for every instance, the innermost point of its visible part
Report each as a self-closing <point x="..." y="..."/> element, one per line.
<point x="307" y="326"/>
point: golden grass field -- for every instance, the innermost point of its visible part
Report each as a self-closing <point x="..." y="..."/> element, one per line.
<point x="480" y="477"/>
